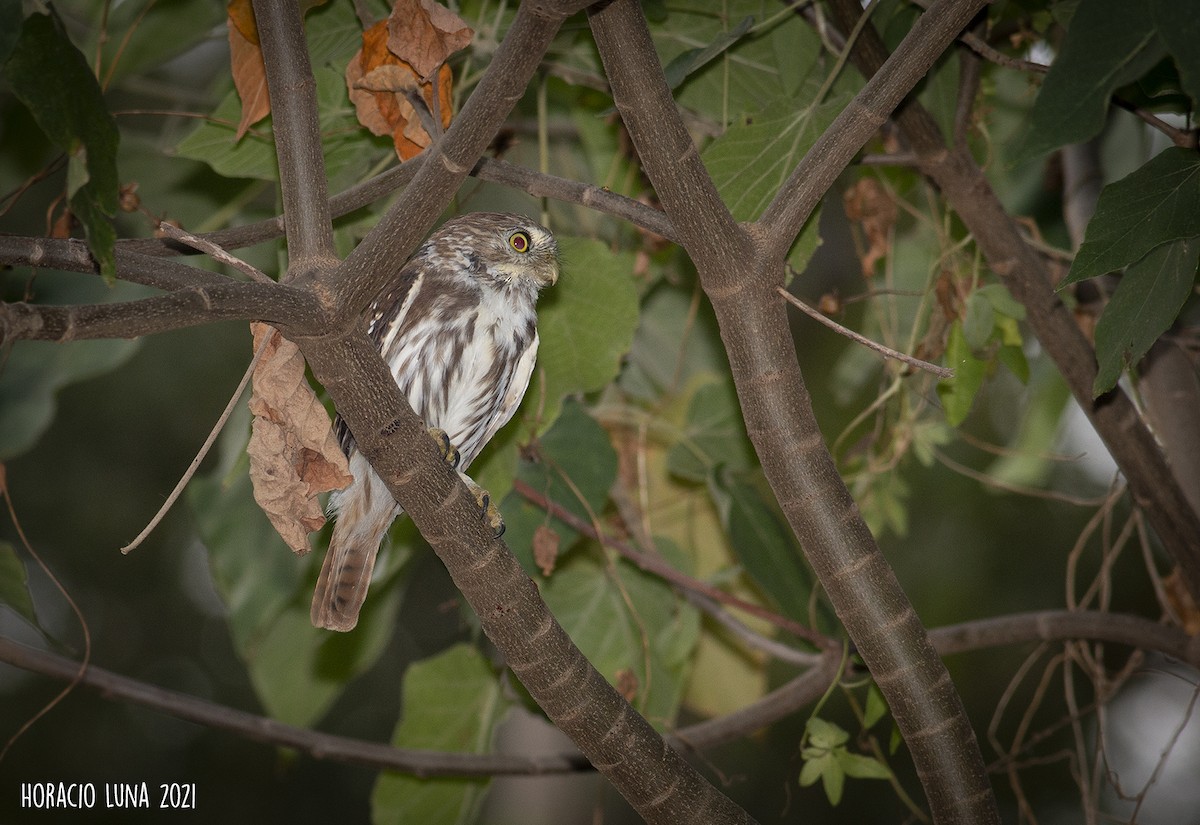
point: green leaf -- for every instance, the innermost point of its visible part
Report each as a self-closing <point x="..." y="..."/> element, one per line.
<point x="858" y="766"/>
<point x="877" y="707"/>
<point x="714" y="435"/>
<point x="677" y="342"/>
<point x="14" y="583"/>
<point x="1109" y="43"/>
<point x="824" y="734"/>
<point x="213" y="142"/>
<point x="10" y="27"/>
<point x="451" y="702"/>
<point x="833" y="780"/>
<point x="753" y="158"/>
<point x="958" y="393"/>
<point x="43" y="63"/>
<point x="574" y="460"/>
<point x="692" y="60"/>
<point x="813" y="769"/>
<point x="34" y="372"/>
<point x="625" y="620"/>
<point x="1158" y="203"/>
<point x="1143" y="307"/>
<point x="1179" y="26"/>
<point x="763" y="542"/>
<point x="586" y="324"/>
<point x="297" y="670"/>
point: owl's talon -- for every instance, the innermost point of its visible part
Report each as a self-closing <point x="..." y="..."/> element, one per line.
<point x="490" y="513"/>
<point x="449" y="451"/>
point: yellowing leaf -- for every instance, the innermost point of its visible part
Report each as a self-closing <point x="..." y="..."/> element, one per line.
<point x="293" y="452"/>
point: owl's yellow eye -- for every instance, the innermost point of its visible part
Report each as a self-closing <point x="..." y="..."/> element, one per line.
<point x="519" y="241"/>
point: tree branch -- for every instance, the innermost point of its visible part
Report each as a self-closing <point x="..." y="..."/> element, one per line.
<point x="739" y="275"/>
<point x="622" y="745"/>
<point x="1021" y="628"/>
<point x="290" y="309"/>
<point x="296" y="128"/>
<point x="72" y="255"/>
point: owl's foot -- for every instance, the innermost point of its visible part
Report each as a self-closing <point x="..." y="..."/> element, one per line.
<point x="449" y="451"/>
<point x="491" y="514"/>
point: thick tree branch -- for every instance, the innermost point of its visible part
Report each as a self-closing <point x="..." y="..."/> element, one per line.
<point x="739" y="276"/>
<point x="1024" y="273"/>
<point x="278" y="304"/>
<point x="655" y="779"/>
<point x="296" y="127"/>
<point x="72" y="255"/>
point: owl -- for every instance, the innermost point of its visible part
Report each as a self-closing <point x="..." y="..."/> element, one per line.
<point x="458" y="330"/>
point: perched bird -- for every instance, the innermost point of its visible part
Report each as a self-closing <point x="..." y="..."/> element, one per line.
<point x="458" y="329"/>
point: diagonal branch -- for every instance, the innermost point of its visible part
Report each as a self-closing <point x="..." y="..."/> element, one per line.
<point x="739" y="271"/>
<point x="621" y="744"/>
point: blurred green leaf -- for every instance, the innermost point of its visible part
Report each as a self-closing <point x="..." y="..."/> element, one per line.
<point x="14" y="583"/>
<point x="1109" y="43"/>
<point x="958" y="393"/>
<point x="297" y="670"/>
<point x="574" y="460"/>
<point x="626" y="621"/>
<point x="43" y="63"/>
<point x="1158" y="203"/>
<point x="1143" y="307"/>
<point x="676" y="342"/>
<point x="33" y="374"/>
<point x="451" y="702"/>
<point x="1179" y="27"/>
<point x="686" y="63"/>
<point x="763" y="542"/>
<point x="877" y="707"/>
<point x="714" y="435"/>
<point x="858" y="766"/>
<point x="755" y="156"/>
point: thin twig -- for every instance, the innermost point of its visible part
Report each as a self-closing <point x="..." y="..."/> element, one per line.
<point x="215" y="251"/>
<point x="87" y="634"/>
<point x="887" y="352"/>
<point x="204" y="448"/>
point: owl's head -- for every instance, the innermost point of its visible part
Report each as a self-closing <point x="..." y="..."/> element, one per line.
<point x="504" y="247"/>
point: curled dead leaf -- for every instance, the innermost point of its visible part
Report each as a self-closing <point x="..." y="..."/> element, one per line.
<point x="423" y="34"/>
<point x="246" y="64"/>
<point x="545" y="548"/>
<point x="379" y="84"/>
<point x="293" y="452"/>
<point x="868" y="204"/>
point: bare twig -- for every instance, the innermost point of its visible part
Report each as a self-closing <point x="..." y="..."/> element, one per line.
<point x="76" y="675"/>
<point x="214" y="250"/>
<point x="204" y="448"/>
<point x="885" y="351"/>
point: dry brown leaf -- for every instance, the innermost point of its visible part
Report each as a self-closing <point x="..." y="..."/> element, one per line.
<point x="868" y="204"/>
<point x="293" y="452"/>
<point x="423" y="34"/>
<point x="246" y="63"/>
<point x="378" y="82"/>
<point x="545" y="549"/>
<point x="627" y="684"/>
<point x="1181" y="602"/>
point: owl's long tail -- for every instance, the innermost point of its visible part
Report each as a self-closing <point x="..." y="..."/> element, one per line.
<point x="364" y="511"/>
